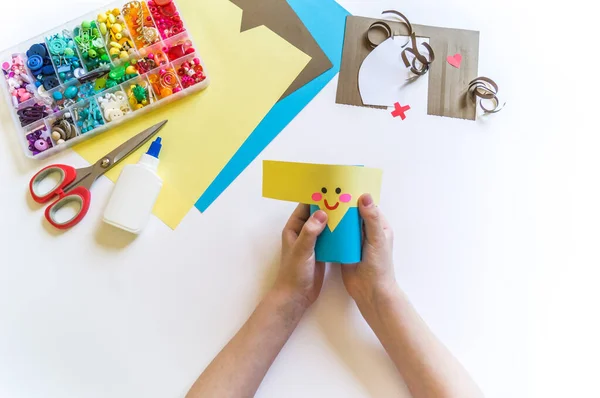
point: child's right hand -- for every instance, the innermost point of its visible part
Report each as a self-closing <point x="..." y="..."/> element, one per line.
<point x="373" y="278"/>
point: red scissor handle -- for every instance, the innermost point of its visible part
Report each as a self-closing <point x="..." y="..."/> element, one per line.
<point x="42" y="195"/>
<point x="80" y="196"/>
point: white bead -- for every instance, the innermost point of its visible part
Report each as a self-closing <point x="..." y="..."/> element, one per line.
<point x="61" y="141"/>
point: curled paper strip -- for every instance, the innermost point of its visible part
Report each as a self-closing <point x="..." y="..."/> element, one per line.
<point x="423" y="64"/>
<point x="485" y="88"/>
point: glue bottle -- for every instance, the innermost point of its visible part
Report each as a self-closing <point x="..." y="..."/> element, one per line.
<point x="135" y="193"/>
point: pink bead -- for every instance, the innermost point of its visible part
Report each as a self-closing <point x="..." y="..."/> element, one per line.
<point x="196" y="61"/>
<point x="177" y="89"/>
<point x="5" y="66"/>
<point x="24" y="97"/>
<point x="151" y="56"/>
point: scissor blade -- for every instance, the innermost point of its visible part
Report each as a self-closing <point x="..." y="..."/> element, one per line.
<point x="131" y="145"/>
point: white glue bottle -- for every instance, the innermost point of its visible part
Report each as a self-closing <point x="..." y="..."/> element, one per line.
<point x="135" y="193"/>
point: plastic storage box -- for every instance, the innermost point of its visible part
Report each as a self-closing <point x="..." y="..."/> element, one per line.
<point x="98" y="71"/>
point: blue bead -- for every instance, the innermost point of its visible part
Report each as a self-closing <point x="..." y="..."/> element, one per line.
<point x="57" y="95"/>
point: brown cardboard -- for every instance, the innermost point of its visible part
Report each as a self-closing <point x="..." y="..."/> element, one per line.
<point x="448" y="86"/>
<point x="279" y="16"/>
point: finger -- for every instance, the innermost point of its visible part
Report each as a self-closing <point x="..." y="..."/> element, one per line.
<point x="374" y="233"/>
<point x="310" y="232"/>
<point x="296" y="221"/>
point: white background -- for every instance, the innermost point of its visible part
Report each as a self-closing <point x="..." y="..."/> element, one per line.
<point x="496" y="227"/>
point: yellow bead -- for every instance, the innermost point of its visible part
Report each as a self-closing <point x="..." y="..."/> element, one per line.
<point x="118" y="36"/>
<point x="116" y="12"/>
<point x="103" y="28"/>
<point x="130" y="70"/>
<point x="144" y="102"/>
<point x="102" y="18"/>
<point x="115" y="45"/>
<point x="132" y="101"/>
<point x="114" y="51"/>
<point x="111" y="18"/>
<point x="139" y="106"/>
<point x="123" y="55"/>
<point x="117" y="28"/>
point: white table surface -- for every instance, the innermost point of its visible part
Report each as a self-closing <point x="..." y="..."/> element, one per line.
<point x="494" y="237"/>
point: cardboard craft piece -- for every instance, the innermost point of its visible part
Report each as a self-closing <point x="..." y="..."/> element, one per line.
<point x="383" y="79"/>
<point x="333" y="189"/>
<point x="249" y="71"/>
<point x="279" y="16"/>
<point x="326" y="20"/>
<point x="448" y="86"/>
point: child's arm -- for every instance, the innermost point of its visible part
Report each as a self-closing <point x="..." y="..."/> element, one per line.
<point x="426" y="365"/>
<point x="241" y="366"/>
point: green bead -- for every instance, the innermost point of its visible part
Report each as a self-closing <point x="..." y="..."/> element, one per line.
<point x="117" y="73"/>
<point x="69" y="52"/>
<point x="110" y="83"/>
<point x="92" y="53"/>
<point x="104" y="57"/>
<point x="86" y="25"/>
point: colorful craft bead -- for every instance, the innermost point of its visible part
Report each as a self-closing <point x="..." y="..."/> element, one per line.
<point x="64" y="55"/>
<point x="63" y="129"/>
<point x="140" y="24"/>
<point x="88" y="116"/>
<point x="112" y="27"/>
<point x="165" y="82"/>
<point x="39" y="64"/>
<point x="20" y="84"/>
<point x="114" y="105"/>
<point x="179" y="49"/>
<point x="38" y="141"/>
<point x="191" y="73"/>
<point x="139" y="95"/>
<point x="166" y="17"/>
<point x="90" y="43"/>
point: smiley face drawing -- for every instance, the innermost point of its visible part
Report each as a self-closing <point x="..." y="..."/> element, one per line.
<point x="333" y="188"/>
<point x="343" y="198"/>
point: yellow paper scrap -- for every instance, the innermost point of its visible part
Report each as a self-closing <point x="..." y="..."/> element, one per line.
<point x="333" y="188"/>
<point x="248" y="73"/>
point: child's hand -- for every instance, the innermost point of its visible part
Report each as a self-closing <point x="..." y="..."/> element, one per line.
<point x="374" y="275"/>
<point x="300" y="276"/>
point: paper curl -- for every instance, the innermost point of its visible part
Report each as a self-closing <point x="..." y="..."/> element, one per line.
<point x="420" y="68"/>
<point x="485" y="88"/>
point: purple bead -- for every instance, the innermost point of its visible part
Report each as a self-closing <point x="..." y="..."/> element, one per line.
<point x="41" y="145"/>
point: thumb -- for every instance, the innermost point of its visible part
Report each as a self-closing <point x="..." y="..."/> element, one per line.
<point x="310" y="232"/>
<point x="374" y="233"/>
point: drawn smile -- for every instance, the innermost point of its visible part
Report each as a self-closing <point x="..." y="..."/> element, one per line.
<point x="331" y="207"/>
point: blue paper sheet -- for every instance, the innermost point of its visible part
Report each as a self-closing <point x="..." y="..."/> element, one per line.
<point x="344" y="244"/>
<point x="326" y="21"/>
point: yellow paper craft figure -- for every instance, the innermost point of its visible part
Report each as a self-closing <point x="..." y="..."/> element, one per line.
<point x="333" y="189"/>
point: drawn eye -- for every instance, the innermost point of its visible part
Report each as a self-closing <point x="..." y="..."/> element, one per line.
<point x="324" y="190"/>
<point x="338" y="190"/>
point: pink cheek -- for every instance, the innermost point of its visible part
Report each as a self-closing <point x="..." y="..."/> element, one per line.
<point x="345" y="197"/>
<point x="317" y="197"/>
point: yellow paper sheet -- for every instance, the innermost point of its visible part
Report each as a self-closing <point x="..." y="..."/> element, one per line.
<point x="248" y="73"/>
<point x="333" y="188"/>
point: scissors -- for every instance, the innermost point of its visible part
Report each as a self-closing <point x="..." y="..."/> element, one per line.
<point x="73" y="186"/>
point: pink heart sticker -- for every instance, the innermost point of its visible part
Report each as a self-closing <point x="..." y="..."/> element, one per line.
<point x="454" y="60"/>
